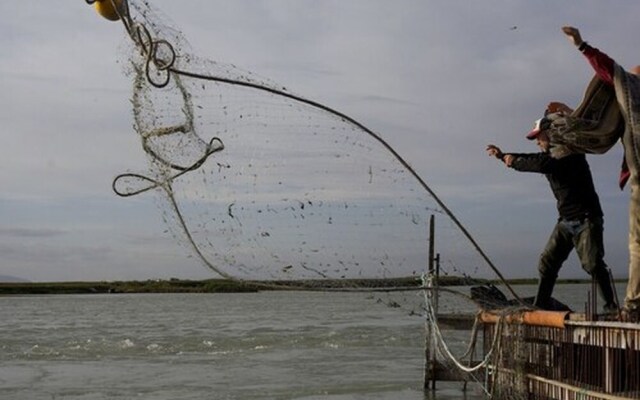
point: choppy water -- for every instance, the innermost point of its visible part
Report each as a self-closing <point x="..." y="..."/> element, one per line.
<point x="271" y="345"/>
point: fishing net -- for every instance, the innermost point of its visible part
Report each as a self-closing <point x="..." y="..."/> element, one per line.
<point x="261" y="183"/>
<point x="594" y="127"/>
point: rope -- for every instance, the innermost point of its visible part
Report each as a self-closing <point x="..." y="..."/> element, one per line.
<point x="442" y="345"/>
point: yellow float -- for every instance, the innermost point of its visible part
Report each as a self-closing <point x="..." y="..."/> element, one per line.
<point x="106" y="8"/>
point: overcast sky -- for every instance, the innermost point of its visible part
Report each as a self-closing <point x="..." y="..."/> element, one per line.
<point x="438" y="79"/>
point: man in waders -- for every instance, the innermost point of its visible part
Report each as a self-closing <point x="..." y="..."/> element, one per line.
<point x="580" y="223"/>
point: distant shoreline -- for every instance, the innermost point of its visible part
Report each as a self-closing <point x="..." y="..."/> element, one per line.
<point x="232" y="286"/>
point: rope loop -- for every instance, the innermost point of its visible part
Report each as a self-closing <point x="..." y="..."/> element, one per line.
<point x="146" y="183"/>
<point x="159" y="53"/>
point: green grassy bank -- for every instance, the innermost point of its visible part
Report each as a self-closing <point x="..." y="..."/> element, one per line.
<point x="229" y="286"/>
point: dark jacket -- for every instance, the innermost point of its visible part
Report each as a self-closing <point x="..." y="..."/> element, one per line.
<point x="570" y="180"/>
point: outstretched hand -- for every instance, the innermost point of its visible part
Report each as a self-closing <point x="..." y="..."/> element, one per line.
<point x="494" y="151"/>
<point x="573" y="34"/>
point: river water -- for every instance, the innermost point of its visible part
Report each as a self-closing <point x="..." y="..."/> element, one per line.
<point x="268" y="345"/>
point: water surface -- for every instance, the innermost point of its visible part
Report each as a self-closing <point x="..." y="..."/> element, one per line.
<point x="269" y="345"/>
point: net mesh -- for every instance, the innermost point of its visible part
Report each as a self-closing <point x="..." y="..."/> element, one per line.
<point x="261" y="183"/>
<point x="266" y="184"/>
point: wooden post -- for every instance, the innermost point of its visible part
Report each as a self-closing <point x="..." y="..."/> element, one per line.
<point x="432" y="244"/>
<point x="436" y="294"/>
<point x="429" y="352"/>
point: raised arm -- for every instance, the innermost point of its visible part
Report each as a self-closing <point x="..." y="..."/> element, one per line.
<point x="601" y="63"/>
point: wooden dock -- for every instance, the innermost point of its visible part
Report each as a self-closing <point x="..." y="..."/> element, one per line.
<point x="532" y="354"/>
<point x="580" y="359"/>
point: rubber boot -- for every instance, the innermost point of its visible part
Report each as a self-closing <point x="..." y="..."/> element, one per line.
<point x="543" y="297"/>
<point x="605" y="286"/>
